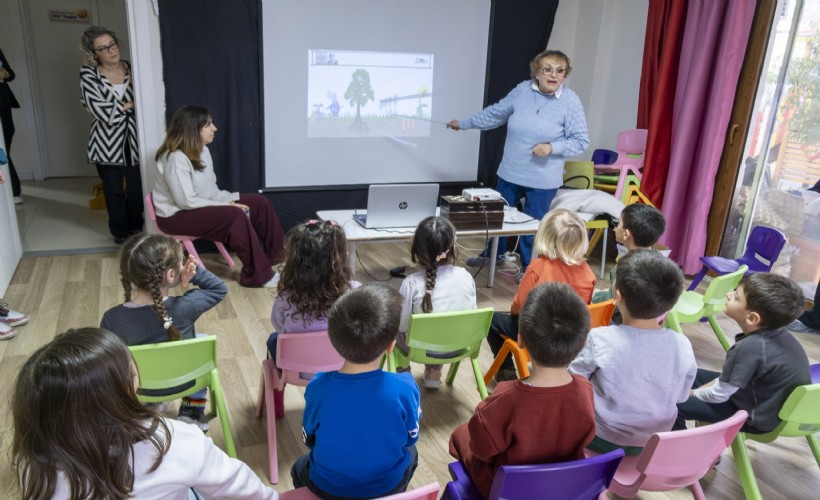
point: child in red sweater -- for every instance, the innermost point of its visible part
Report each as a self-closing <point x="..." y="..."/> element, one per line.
<point x="548" y="417"/>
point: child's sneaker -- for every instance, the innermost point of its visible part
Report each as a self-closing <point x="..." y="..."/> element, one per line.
<point x="432" y="376"/>
<point x="7" y="332"/>
<point x="11" y="317"/>
<point x="193" y="415"/>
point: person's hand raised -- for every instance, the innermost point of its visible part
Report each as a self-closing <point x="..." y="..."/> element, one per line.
<point x="188" y="271"/>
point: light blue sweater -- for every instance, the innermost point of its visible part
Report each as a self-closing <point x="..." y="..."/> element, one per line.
<point x="535" y="118"/>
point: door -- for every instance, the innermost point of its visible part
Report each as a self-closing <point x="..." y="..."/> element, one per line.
<point x="54" y="29"/>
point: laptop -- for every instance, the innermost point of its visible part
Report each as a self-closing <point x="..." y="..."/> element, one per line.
<point x="398" y="205"/>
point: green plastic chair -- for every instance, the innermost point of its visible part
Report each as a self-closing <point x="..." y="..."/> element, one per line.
<point x="800" y="416"/>
<point x="459" y="333"/>
<point x="169" y="365"/>
<point x="578" y="174"/>
<point x="692" y="306"/>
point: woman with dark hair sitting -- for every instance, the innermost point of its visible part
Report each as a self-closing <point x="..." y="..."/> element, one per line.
<point x="80" y="431"/>
<point x="188" y="201"/>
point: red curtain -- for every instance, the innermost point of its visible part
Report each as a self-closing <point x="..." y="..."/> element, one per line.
<point x="661" y="55"/>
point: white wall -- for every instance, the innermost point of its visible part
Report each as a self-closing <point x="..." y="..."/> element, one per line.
<point x="24" y="148"/>
<point x="604" y="39"/>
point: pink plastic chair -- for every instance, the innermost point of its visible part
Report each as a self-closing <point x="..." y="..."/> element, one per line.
<point x="296" y="353"/>
<point x="187" y="241"/>
<point x="675" y="459"/>
<point x="629" y="142"/>
<point x="426" y="492"/>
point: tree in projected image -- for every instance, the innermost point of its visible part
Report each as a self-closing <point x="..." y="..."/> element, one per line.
<point x="358" y="93"/>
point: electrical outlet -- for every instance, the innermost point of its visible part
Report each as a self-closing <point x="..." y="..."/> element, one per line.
<point x="509" y="257"/>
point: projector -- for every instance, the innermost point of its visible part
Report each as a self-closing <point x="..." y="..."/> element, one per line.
<point x="481" y="194"/>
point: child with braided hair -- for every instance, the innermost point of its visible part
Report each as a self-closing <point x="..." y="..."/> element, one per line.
<point x="150" y="265"/>
<point x="440" y="287"/>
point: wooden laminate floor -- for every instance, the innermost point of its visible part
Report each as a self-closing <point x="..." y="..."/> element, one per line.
<point x="70" y="291"/>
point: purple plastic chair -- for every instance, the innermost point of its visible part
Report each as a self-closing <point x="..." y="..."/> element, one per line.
<point x="815" y="373"/>
<point x="579" y="479"/>
<point x="604" y="157"/>
<point x="762" y="250"/>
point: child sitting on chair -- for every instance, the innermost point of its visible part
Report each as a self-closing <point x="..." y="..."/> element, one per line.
<point x="360" y="423"/>
<point x="765" y="364"/>
<point x="560" y="245"/>
<point x="441" y="287"/>
<point x="639" y="228"/>
<point x="316" y="273"/>
<point x="150" y="266"/>
<point x="639" y="370"/>
<point x="548" y="417"/>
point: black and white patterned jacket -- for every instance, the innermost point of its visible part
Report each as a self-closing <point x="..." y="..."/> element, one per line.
<point x="112" y="125"/>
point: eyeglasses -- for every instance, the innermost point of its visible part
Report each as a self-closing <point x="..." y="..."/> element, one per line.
<point x="105" y="49"/>
<point x="549" y="70"/>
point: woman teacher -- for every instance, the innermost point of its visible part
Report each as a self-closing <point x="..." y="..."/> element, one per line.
<point x="188" y="201"/>
<point x="546" y="124"/>
<point x="107" y="92"/>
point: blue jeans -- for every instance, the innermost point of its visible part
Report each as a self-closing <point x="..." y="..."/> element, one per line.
<point x="300" y="473"/>
<point x="536" y="205"/>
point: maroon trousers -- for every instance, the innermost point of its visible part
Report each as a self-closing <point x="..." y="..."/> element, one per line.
<point x="230" y="225"/>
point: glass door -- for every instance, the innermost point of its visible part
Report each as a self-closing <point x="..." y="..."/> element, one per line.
<point x="778" y="184"/>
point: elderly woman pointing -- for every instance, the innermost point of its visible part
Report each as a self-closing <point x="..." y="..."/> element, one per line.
<point x="546" y="124"/>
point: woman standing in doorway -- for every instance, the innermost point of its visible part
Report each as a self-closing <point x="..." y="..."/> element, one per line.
<point x="106" y="86"/>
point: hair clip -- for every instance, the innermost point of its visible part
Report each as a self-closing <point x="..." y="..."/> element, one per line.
<point x="312" y="222"/>
<point x="441" y="257"/>
<point x="429" y="292"/>
<point x="168" y="322"/>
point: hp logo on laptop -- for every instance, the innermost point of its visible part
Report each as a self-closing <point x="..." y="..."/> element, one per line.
<point x="403" y="205"/>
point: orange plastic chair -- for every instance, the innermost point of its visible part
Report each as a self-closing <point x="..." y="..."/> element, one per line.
<point x="296" y="354"/>
<point x="600" y="314"/>
<point x="187" y="241"/>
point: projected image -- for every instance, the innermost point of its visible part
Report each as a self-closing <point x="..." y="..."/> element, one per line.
<point x="369" y="94"/>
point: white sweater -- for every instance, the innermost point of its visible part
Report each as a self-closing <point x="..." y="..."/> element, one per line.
<point x="179" y="187"/>
<point x="192" y="461"/>
<point x="638" y="377"/>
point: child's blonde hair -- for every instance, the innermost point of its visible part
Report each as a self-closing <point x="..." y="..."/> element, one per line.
<point x="143" y="262"/>
<point x="562" y="235"/>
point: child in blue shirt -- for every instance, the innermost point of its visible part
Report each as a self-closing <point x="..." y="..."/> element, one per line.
<point x="360" y="423"/>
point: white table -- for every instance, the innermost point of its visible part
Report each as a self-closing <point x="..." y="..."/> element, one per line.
<point x="515" y="224"/>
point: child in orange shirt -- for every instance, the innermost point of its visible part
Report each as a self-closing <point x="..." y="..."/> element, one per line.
<point x="560" y="243"/>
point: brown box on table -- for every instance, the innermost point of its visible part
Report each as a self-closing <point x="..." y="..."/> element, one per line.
<point x="469" y="215"/>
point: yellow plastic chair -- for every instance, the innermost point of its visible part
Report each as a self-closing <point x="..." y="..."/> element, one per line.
<point x="692" y="306"/>
<point x="800" y="416"/>
<point x="458" y="334"/>
<point x="600" y="314"/>
<point x="181" y="368"/>
<point x="578" y="174"/>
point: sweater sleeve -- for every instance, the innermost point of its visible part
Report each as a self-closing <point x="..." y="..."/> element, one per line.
<point x="178" y="172"/>
<point x="576" y="134"/>
<point x="103" y="106"/>
<point x="407" y="292"/>
<point x="528" y="282"/>
<point x="210" y="292"/>
<point x="584" y="362"/>
<point x="220" y="476"/>
<point x="277" y="314"/>
<point x="482" y="442"/>
<point x="495" y="115"/>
